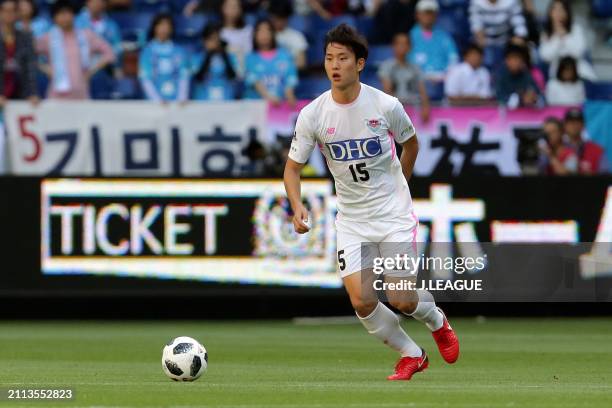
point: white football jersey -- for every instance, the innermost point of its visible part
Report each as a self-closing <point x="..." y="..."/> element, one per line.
<point x="357" y="141"/>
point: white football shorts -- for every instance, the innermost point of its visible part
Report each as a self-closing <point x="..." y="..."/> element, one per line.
<point x="378" y="239"/>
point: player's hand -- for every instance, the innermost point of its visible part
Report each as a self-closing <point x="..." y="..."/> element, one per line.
<point x="300" y="220"/>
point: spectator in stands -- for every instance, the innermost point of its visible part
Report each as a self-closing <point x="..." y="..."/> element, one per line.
<point x="556" y="158"/>
<point x="74" y="55"/>
<point x="403" y="79"/>
<point x="17" y="57"/>
<point x="531" y="22"/>
<point x="469" y="83"/>
<point x="236" y="33"/>
<point x="562" y="37"/>
<point x="433" y="49"/>
<point x="94" y="17"/>
<point x="494" y="23"/>
<point x="390" y="18"/>
<point x="29" y="20"/>
<point x="270" y="71"/>
<point x="164" y="66"/>
<point x="514" y="84"/>
<point x="591" y="157"/>
<point x="215" y="68"/>
<point x="566" y="88"/>
<point x="290" y="39"/>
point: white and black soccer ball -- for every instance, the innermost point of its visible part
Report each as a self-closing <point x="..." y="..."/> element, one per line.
<point x="184" y="359"/>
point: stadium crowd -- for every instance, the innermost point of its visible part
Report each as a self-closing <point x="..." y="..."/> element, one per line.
<point x="456" y="52"/>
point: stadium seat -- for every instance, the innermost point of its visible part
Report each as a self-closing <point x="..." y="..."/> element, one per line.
<point x="370" y="78"/>
<point x="300" y="23"/>
<point x="365" y="25"/>
<point x="127" y="88"/>
<point x="379" y="53"/>
<point x="435" y="90"/>
<point x="599" y="90"/>
<point x="152" y="6"/>
<point x="101" y="85"/>
<point x="177" y="6"/>
<point x="321" y="26"/>
<point x="189" y="28"/>
<point x="134" y="26"/>
<point x="376" y="55"/>
<point x="42" y="84"/>
<point x="455" y="22"/>
<point x="601" y="8"/>
<point x="311" y="87"/>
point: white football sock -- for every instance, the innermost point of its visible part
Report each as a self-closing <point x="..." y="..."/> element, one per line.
<point x="384" y="325"/>
<point x="427" y="312"/>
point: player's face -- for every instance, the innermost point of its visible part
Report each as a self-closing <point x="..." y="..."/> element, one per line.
<point x="341" y="66"/>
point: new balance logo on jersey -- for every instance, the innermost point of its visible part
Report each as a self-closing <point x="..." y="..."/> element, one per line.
<point x="354" y="149"/>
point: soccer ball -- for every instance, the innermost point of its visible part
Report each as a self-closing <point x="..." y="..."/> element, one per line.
<point x="184" y="359"/>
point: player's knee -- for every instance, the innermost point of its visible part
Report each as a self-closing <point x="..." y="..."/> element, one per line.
<point x="404" y="306"/>
<point x="364" y="307"/>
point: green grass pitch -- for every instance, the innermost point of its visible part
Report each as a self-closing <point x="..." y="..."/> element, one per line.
<point x="504" y="363"/>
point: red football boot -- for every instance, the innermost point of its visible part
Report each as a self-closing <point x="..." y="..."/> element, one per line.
<point x="407" y="366"/>
<point x="447" y="341"/>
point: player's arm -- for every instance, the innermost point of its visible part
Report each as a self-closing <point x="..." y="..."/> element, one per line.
<point x="410" y="149"/>
<point x="301" y="147"/>
<point x="404" y="134"/>
<point x="291" y="178"/>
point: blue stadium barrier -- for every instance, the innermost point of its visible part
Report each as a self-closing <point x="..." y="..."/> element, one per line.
<point x="601" y="8"/>
<point x="598" y="90"/>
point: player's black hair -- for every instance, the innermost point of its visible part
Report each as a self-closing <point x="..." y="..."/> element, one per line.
<point x="349" y="37"/>
<point x="61" y="5"/>
<point x="473" y="47"/>
<point x="565" y="63"/>
<point x="158" y="19"/>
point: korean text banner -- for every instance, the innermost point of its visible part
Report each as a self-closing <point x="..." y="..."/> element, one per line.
<point x="132" y="138"/>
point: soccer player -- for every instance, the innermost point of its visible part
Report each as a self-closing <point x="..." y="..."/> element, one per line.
<point x="356" y="127"/>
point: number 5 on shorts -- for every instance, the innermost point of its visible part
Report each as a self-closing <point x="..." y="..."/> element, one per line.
<point x="341" y="261"/>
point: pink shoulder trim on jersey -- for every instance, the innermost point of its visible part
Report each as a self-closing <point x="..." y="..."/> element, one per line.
<point x="392" y="141"/>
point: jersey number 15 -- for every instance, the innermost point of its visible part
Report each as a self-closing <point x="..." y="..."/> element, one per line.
<point x="359" y="172"/>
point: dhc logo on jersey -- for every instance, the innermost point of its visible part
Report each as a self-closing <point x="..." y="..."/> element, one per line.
<point x="354" y="149"/>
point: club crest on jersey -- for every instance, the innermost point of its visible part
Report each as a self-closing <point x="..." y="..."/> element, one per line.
<point x="354" y="149"/>
<point x="375" y="125"/>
